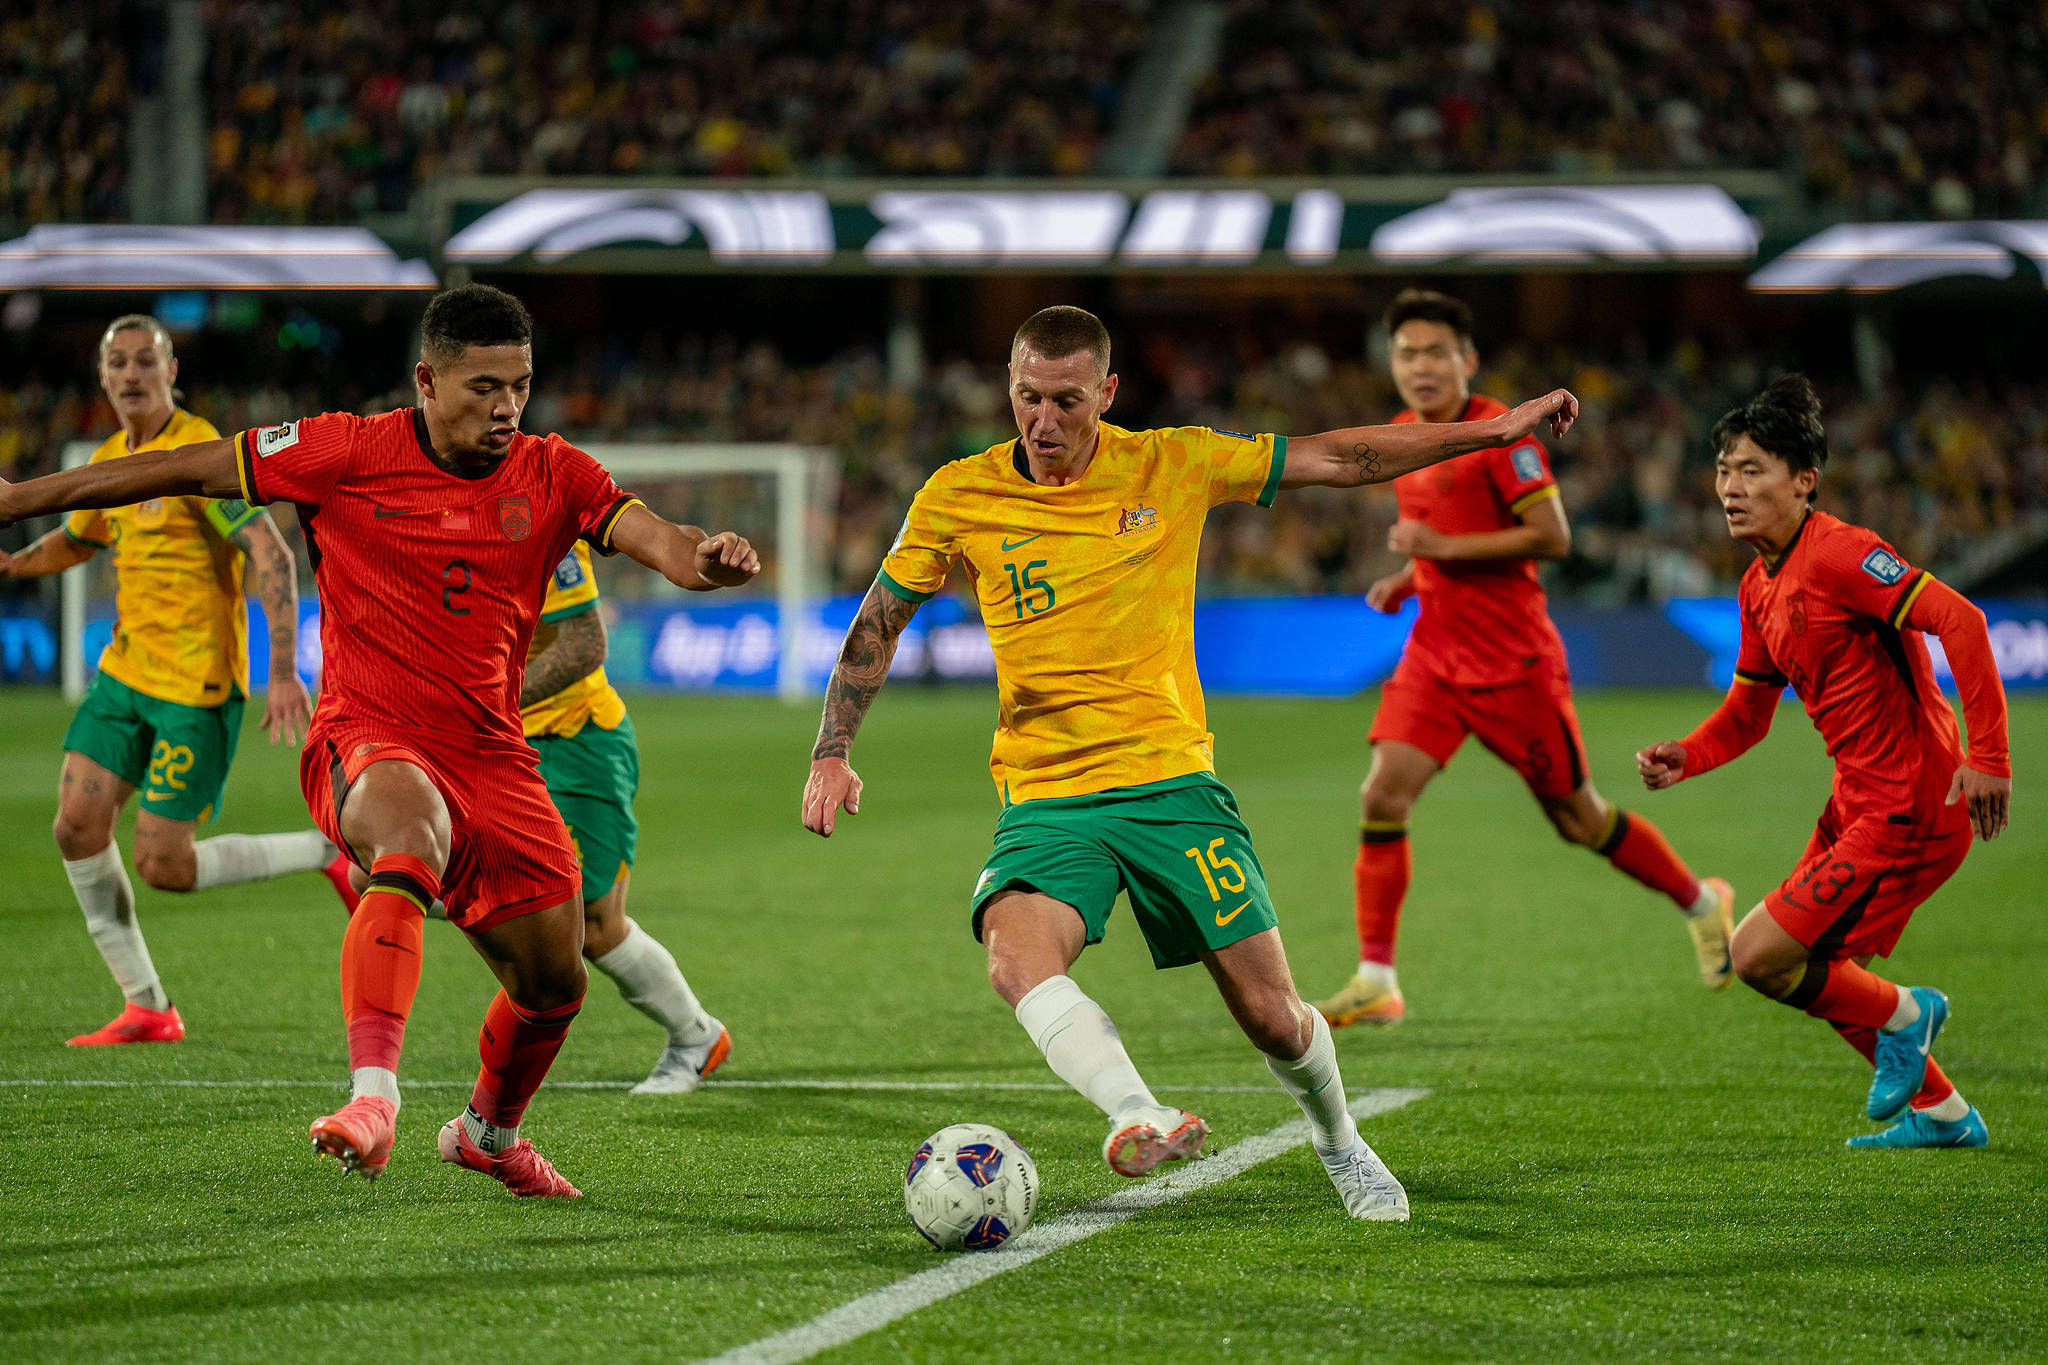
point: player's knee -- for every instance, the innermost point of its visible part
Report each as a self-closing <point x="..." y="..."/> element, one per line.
<point x="424" y="839"/>
<point x="1757" y="967"/>
<point x="166" y="869"/>
<point x="1382" y="801"/>
<point x="550" y="985"/>
<point x="79" y="838"/>
<point x="1277" y="1025"/>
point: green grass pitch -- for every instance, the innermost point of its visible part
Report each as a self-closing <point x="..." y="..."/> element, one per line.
<point x="1613" y="1164"/>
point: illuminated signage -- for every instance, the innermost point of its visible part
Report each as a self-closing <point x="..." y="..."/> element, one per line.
<point x="1874" y="257"/>
<point x="122" y="256"/>
<point x="1565" y="224"/>
<point x="734" y="225"/>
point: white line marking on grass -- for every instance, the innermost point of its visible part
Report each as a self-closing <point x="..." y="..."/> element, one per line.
<point x="873" y="1311"/>
<point x="794" y="1083"/>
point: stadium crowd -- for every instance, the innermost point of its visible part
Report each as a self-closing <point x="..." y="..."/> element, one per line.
<point x="323" y="111"/>
<point x="1882" y="108"/>
<point x="1935" y="466"/>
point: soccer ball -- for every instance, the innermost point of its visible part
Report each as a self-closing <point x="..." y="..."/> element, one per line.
<point x="970" y="1188"/>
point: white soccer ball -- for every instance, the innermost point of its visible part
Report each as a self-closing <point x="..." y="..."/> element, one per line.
<point x="970" y="1188"/>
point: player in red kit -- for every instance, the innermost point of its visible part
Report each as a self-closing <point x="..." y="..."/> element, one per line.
<point x="1839" y="615"/>
<point x="1484" y="660"/>
<point x="433" y="533"/>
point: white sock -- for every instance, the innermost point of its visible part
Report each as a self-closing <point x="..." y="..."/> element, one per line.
<point x="231" y="858"/>
<point x="1950" y="1110"/>
<point x="651" y="982"/>
<point x="1313" y="1080"/>
<point x="489" y="1136"/>
<point x="1380" y="975"/>
<point x="373" y="1080"/>
<point x="1081" y="1044"/>
<point x="108" y="899"/>
<point x="1706" y="903"/>
<point x="1905" y="1014"/>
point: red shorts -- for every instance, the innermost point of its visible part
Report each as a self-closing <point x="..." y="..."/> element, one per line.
<point x="1861" y="878"/>
<point x="509" y="852"/>
<point x="1529" y="724"/>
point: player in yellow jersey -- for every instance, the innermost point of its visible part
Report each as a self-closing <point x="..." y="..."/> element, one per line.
<point x="577" y="722"/>
<point x="1080" y="540"/>
<point x="165" y="711"/>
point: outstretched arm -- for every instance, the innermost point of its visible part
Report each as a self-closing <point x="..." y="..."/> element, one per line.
<point x="1543" y="533"/>
<point x="685" y="555"/>
<point x="1743" y="718"/>
<point x="862" y="668"/>
<point x="272" y="578"/>
<point x="1360" y="455"/>
<point x="54" y="552"/>
<point x="205" y="468"/>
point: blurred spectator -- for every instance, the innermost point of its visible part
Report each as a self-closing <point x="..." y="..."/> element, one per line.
<point x="323" y="111"/>
<point x="1886" y="108"/>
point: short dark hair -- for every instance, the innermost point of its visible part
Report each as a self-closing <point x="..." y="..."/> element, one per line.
<point x="472" y="315"/>
<point x="1784" y="420"/>
<point x="1061" y="331"/>
<point x="1428" y="305"/>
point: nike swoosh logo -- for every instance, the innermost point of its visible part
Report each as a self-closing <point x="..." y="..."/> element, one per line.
<point x="1009" y="545"/>
<point x="382" y="512"/>
<point x="389" y="944"/>
<point x="1223" y="919"/>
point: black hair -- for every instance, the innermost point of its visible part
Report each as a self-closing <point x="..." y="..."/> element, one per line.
<point x="472" y="315"/>
<point x="1061" y="331"/>
<point x="1783" y="420"/>
<point x="1428" y="305"/>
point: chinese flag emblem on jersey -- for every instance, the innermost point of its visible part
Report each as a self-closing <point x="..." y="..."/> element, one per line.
<point x="515" y="518"/>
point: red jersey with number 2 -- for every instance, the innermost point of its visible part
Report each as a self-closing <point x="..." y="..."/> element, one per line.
<point x="1484" y="622"/>
<point x="430" y="582"/>
<point x="1829" y="620"/>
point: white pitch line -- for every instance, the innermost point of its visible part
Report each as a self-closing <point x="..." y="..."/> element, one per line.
<point x="872" y="1312"/>
<point x="794" y="1083"/>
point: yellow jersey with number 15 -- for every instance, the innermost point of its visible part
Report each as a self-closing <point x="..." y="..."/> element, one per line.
<point x="591" y="699"/>
<point x="1088" y="592"/>
<point x="181" y="630"/>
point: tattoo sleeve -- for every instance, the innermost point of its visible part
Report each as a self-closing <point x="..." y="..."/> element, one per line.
<point x="862" y="669"/>
<point x="576" y="652"/>
<point x="271" y="577"/>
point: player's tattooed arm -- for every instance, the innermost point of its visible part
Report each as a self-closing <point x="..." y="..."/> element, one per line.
<point x="52" y="553"/>
<point x="1352" y="456"/>
<point x="577" y="651"/>
<point x="205" y="469"/>
<point x="862" y="668"/>
<point x="271" y="576"/>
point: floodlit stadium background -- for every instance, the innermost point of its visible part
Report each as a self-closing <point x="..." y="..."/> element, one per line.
<point x="817" y="225"/>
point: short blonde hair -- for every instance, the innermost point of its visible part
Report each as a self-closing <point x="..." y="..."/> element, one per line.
<point x="135" y="322"/>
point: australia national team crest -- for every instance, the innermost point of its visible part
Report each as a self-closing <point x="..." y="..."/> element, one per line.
<point x="515" y="517"/>
<point x="1135" y="520"/>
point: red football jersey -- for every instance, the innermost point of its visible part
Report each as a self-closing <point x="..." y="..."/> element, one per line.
<point x="1828" y="621"/>
<point x="430" y="582"/>
<point x="1483" y="622"/>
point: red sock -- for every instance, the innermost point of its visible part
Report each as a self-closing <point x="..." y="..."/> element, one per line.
<point x="1842" y="993"/>
<point x="1934" y="1087"/>
<point x="1379" y="883"/>
<point x="517" y="1046"/>
<point x="380" y="958"/>
<point x="1638" y="848"/>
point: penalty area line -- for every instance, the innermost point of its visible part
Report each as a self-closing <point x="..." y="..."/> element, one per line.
<point x="871" y="1312"/>
<point x="791" y="1083"/>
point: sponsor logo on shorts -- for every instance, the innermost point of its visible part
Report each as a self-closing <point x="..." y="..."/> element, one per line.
<point x="1223" y="919"/>
<point x="1886" y="567"/>
<point x="269" y="440"/>
<point x="515" y="517"/>
<point x="1527" y="462"/>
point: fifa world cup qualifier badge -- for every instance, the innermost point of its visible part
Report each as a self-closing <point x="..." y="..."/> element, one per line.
<point x="515" y="517"/>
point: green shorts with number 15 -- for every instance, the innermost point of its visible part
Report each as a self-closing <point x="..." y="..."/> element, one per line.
<point x="1178" y="847"/>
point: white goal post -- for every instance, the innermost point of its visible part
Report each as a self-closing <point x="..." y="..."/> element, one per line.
<point x="803" y="475"/>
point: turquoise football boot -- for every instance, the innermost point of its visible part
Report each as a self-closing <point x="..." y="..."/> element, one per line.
<point x="1919" y="1129"/>
<point x="1902" y="1056"/>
